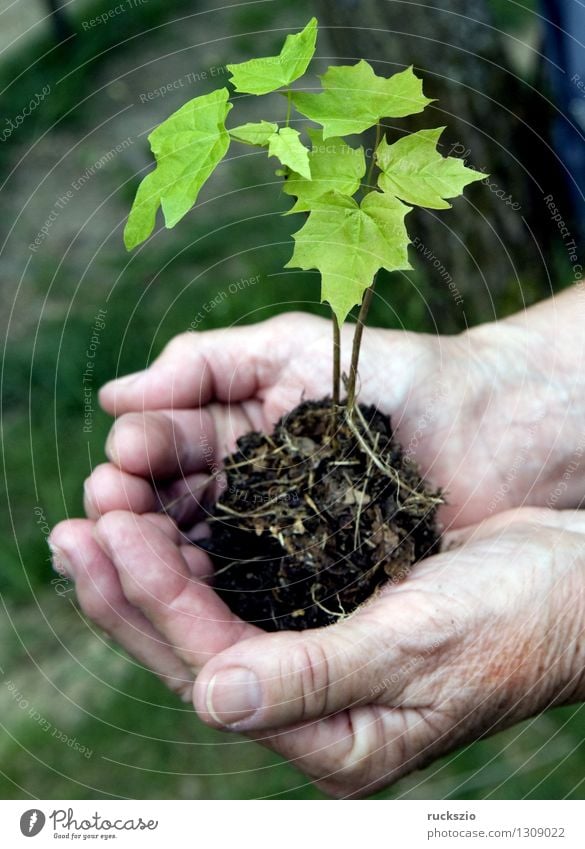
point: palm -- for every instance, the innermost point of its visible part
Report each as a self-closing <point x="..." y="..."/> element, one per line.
<point x="411" y="676"/>
<point x="140" y="579"/>
<point x="455" y="401"/>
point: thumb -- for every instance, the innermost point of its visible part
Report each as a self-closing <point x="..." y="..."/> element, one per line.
<point x="276" y="680"/>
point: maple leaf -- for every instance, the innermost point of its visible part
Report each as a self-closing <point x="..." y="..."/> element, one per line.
<point x="335" y="166"/>
<point x="269" y="73"/>
<point x="355" y="98"/>
<point x="256" y="133"/>
<point x="414" y="170"/>
<point x="188" y="146"/>
<point x="348" y="243"/>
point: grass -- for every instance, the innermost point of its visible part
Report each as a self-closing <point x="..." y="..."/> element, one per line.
<point x="80" y="690"/>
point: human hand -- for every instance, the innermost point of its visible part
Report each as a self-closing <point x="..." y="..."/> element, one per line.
<point x="468" y="408"/>
<point x="181" y="415"/>
<point x="478" y="638"/>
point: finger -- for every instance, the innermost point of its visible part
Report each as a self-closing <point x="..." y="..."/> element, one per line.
<point x="165" y="444"/>
<point x="166" y="525"/>
<point x="162" y="444"/>
<point x="186" y="500"/>
<point x="189" y="499"/>
<point x="500" y="523"/>
<point x="228" y="365"/>
<point x="109" y="488"/>
<point x="198" y="566"/>
<point x="275" y="680"/>
<point x="156" y="578"/>
<point x="102" y="600"/>
<point x="358" y="751"/>
<point x="322" y="749"/>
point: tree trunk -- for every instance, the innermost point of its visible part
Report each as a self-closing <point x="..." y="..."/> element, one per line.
<point x="485" y="252"/>
<point x="59" y="20"/>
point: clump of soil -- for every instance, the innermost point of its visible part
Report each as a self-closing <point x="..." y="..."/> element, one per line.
<point x="317" y="516"/>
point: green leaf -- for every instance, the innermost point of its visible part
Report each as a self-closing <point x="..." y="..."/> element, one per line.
<point x="348" y="243"/>
<point x="188" y="146"/>
<point x="286" y="144"/>
<point x="335" y="166"/>
<point x="414" y="170"/>
<point x="355" y="98"/>
<point x="142" y="217"/>
<point x="256" y="134"/>
<point x="259" y="76"/>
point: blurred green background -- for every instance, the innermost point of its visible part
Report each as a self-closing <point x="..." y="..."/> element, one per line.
<point x="79" y="719"/>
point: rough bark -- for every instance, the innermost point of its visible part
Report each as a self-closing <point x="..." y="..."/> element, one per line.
<point x="59" y="20"/>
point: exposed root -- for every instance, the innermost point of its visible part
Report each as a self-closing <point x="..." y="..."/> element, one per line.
<point x="312" y="514"/>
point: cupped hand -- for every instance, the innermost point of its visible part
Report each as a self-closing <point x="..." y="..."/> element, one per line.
<point x="468" y="408"/>
<point x="479" y="637"/>
<point x="462" y="406"/>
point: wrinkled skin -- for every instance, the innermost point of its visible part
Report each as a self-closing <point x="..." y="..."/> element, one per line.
<point x="479" y="636"/>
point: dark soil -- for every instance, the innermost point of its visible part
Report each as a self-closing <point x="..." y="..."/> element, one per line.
<point x="317" y="516"/>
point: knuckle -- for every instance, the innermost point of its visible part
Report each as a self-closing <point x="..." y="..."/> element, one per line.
<point x="155" y="426"/>
<point x="180" y="343"/>
<point x="162" y="591"/>
<point x="308" y="663"/>
<point x="113" y="524"/>
<point x="138" y="594"/>
<point x="287" y="320"/>
<point x="361" y="752"/>
<point x="335" y="768"/>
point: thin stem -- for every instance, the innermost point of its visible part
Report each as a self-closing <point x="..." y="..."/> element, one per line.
<point x="289" y="106"/>
<point x="373" y="159"/>
<point x="357" y="342"/>
<point x="336" y="360"/>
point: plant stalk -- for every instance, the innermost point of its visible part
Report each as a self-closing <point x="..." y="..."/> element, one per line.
<point x="373" y="159"/>
<point x="357" y="343"/>
<point x="336" y="361"/>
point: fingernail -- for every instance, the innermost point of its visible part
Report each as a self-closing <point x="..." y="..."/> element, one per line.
<point x="233" y="695"/>
<point x="87" y="504"/>
<point x="109" y="447"/>
<point x="61" y="563"/>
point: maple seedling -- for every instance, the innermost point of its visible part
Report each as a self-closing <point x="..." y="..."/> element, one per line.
<point x="356" y="209"/>
<point x="342" y="507"/>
